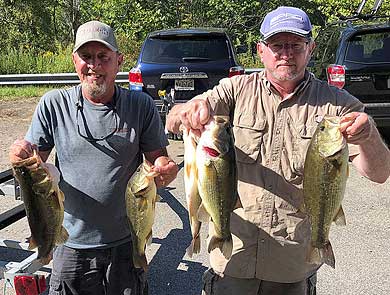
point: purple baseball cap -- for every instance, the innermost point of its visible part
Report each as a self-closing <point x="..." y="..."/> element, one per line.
<point x="288" y="20"/>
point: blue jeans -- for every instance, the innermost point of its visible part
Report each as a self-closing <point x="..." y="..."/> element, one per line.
<point x="96" y="271"/>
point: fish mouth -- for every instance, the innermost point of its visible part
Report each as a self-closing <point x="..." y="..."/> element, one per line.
<point x="211" y="152"/>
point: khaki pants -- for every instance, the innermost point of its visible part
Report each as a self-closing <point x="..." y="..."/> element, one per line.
<point x="213" y="284"/>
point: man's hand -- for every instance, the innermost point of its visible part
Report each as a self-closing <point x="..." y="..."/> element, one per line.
<point x="194" y="114"/>
<point x="21" y="149"/>
<point x="356" y="127"/>
<point x="167" y="170"/>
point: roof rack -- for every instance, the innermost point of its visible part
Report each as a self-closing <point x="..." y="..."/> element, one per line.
<point x="357" y="15"/>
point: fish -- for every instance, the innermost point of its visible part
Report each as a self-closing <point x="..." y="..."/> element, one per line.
<point x="325" y="176"/>
<point x="141" y="197"/>
<point x="193" y="198"/>
<point x="217" y="181"/>
<point x="44" y="204"/>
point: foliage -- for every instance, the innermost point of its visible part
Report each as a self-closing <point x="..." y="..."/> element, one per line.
<point x="43" y="31"/>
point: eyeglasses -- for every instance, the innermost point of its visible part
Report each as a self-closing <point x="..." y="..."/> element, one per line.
<point x="88" y="135"/>
<point x="277" y="47"/>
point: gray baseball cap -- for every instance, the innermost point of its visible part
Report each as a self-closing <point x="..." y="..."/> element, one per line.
<point x="95" y="31"/>
<point x="286" y="19"/>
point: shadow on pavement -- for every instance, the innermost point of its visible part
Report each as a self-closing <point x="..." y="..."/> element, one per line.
<point x="164" y="277"/>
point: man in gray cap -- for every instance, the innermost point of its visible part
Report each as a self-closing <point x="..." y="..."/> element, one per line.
<point x="274" y="114"/>
<point x="100" y="132"/>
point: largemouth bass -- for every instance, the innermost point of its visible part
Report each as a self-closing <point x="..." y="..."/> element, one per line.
<point x="141" y="197"/>
<point x="191" y="189"/>
<point x="44" y="204"/>
<point x="325" y="177"/>
<point x="217" y="180"/>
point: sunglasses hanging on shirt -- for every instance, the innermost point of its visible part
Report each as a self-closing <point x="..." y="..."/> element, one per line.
<point x="88" y="135"/>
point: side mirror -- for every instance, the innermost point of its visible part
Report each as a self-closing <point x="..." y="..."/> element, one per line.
<point x="241" y="48"/>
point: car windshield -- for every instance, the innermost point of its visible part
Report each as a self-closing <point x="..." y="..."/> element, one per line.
<point x="368" y="48"/>
<point x="176" y="50"/>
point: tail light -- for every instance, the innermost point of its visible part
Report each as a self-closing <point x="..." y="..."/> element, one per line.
<point x="29" y="284"/>
<point x="135" y="79"/>
<point x="336" y="75"/>
<point x="233" y="71"/>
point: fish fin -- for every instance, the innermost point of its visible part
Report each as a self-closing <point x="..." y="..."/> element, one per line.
<point x="339" y="219"/>
<point x="202" y="214"/>
<point x="140" y="262"/>
<point x="194" y="247"/>
<point x="32" y="244"/>
<point x="61" y="196"/>
<point x="225" y="245"/>
<point x="322" y="255"/>
<point x="149" y="238"/>
<point x="327" y="255"/>
<point x="142" y="204"/>
<point x="238" y="203"/>
<point x="63" y="236"/>
<point x="158" y="198"/>
<point x="46" y="260"/>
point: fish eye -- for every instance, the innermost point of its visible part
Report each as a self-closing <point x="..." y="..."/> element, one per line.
<point x="322" y="128"/>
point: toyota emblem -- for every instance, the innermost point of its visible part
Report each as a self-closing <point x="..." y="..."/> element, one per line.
<point x="183" y="70"/>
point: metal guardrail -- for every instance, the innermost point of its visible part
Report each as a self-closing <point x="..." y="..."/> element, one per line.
<point x="44" y="79"/>
<point x="64" y="78"/>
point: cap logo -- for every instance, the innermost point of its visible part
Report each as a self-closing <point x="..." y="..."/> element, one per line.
<point x="285" y="17"/>
<point x="99" y="30"/>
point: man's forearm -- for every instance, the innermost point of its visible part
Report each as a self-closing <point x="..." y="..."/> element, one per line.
<point x="373" y="161"/>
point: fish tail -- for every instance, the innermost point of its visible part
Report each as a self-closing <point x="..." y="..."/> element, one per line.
<point x="328" y="255"/>
<point x="225" y="245"/>
<point x="194" y="247"/>
<point x="140" y="262"/>
<point x="46" y="260"/>
<point x="322" y="255"/>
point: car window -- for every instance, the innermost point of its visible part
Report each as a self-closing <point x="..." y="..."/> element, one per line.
<point x="173" y="50"/>
<point x="368" y="48"/>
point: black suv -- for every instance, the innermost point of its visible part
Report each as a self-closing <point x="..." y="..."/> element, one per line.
<point x="354" y="54"/>
<point x="174" y="65"/>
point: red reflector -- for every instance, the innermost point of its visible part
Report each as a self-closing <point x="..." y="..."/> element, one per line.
<point x="29" y="285"/>
<point x="336" y="75"/>
<point x="233" y="71"/>
<point x="135" y="77"/>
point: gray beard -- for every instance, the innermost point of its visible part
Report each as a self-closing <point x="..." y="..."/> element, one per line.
<point x="291" y="76"/>
<point x="94" y="90"/>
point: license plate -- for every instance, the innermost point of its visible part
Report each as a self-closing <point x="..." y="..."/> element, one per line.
<point x="184" y="84"/>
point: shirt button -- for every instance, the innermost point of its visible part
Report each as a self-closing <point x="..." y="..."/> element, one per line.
<point x="274" y="158"/>
<point x="262" y="241"/>
<point x="277" y="131"/>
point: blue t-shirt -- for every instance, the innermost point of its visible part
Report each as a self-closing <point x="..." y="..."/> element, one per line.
<point x="94" y="173"/>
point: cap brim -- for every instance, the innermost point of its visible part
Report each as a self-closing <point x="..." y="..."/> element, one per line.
<point x="294" y="31"/>
<point x="77" y="47"/>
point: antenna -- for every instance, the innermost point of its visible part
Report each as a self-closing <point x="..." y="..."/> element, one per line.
<point x="360" y="8"/>
<point x="376" y="6"/>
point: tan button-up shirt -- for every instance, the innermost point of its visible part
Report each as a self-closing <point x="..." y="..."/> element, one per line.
<point x="270" y="234"/>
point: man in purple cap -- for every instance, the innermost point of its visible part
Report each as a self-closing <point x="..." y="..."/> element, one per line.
<point x="274" y="114"/>
<point x="100" y="132"/>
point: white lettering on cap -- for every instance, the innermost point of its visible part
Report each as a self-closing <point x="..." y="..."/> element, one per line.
<point x="99" y="30"/>
<point x="285" y="17"/>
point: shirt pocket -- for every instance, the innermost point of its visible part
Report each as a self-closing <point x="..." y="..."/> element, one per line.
<point x="248" y="133"/>
<point x="305" y="134"/>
